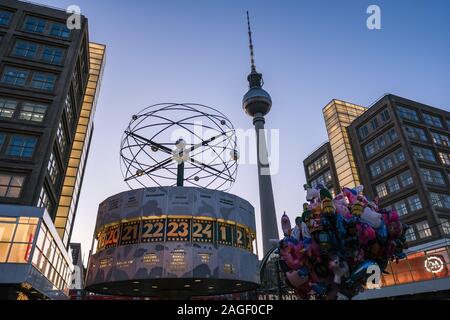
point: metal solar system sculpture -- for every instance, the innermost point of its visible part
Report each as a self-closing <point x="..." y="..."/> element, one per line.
<point x="179" y="144"/>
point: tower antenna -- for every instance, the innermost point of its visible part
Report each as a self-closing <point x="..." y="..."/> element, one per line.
<point x="252" y="56"/>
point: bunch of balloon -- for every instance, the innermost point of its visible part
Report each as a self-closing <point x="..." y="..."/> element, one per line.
<point x="339" y="243"/>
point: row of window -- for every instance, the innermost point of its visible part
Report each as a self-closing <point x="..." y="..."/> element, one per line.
<point x="18" y="145"/>
<point x="427" y="154"/>
<point x="374" y="123"/>
<point x="423" y="231"/>
<point x="324" y="179"/>
<point x="394" y="184"/>
<point x="318" y="164"/>
<point x="440" y="200"/>
<point x="428" y="119"/>
<point x="22" y="110"/>
<point x="388" y="162"/>
<point x="408" y="205"/>
<point x="433" y="176"/>
<point x="36" y="51"/>
<point x="37" y="25"/>
<point x="380" y="142"/>
<point x="420" y="135"/>
<point x="26" y="78"/>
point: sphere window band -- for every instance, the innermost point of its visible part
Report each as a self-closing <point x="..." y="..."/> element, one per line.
<point x="176" y="228"/>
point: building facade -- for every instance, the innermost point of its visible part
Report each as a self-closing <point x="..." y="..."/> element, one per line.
<point x="338" y="116"/>
<point x="49" y="83"/>
<point x="320" y="169"/>
<point x="401" y="152"/>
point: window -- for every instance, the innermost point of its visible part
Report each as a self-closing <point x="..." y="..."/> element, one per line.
<point x="60" y="30"/>
<point x="406" y="178"/>
<point x="415" y="133"/>
<point x="11" y="185"/>
<point x="407" y="113"/>
<point x="432" y="120"/>
<point x="310" y="167"/>
<point x="424" y="229"/>
<point x="33" y="24"/>
<point x="441" y="139"/>
<point x="61" y="138"/>
<point x="69" y="115"/>
<point x="445" y="158"/>
<point x="21" y="146"/>
<point x="380" y="142"/>
<point x="15" y="77"/>
<point x="381" y="190"/>
<point x="32" y="112"/>
<point x="5" y="17"/>
<point x="52" y="168"/>
<point x="400" y="207"/>
<point x="52" y="55"/>
<point x="433" y="176"/>
<point x="445" y="225"/>
<point x="393" y="185"/>
<point x="410" y="235"/>
<point x="424" y="154"/>
<point x="44" y="201"/>
<point x="414" y="203"/>
<point x="440" y="200"/>
<point x="374" y="123"/>
<point x="7" y="107"/>
<point x="43" y="81"/>
<point x="25" y="49"/>
<point x="19" y="235"/>
<point x="375" y="169"/>
<point x="385" y="115"/>
<point x="363" y="132"/>
<point x="2" y="139"/>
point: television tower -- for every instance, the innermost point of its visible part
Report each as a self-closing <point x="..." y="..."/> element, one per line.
<point x="257" y="103"/>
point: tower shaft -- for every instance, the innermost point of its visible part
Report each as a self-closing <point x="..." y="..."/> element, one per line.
<point x="267" y="204"/>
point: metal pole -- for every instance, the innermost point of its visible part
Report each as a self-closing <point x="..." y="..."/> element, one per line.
<point x="180" y="174"/>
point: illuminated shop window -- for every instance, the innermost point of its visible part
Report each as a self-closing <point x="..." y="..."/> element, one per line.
<point x="48" y="259"/>
<point x="16" y="239"/>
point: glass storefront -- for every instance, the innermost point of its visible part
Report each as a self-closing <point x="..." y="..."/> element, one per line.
<point x="418" y="266"/>
<point x="16" y="238"/>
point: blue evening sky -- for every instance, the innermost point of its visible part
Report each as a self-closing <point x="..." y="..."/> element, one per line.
<point x="308" y="51"/>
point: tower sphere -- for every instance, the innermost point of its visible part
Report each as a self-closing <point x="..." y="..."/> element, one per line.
<point x="257" y="100"/>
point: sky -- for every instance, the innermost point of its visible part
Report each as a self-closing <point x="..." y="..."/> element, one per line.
<point x="308" y="51"/>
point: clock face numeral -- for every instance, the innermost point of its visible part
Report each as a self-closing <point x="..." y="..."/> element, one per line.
<point x="240" y="237"/>
<point x="130" y="232"/>
<point x="178" y="229"/>
<point x="202" y="231"/>
<point x="199" y="230"/>
<point x="225" y="233"/>
<point x="111" y="236"/>
<point x="152" y="230"/>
